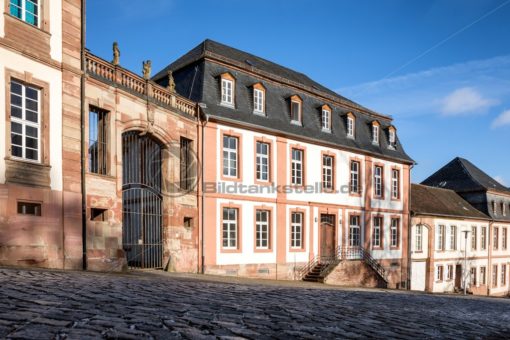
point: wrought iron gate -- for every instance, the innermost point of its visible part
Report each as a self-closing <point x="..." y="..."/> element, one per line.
<point x="141" y="201"/>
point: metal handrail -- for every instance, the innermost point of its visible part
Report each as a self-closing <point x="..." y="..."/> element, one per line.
<point x="342" y="253"/>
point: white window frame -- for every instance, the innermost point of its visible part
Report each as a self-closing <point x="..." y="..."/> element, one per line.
<point x="473" y="276"/>
<point x="259" y="161"/>
<point x="474" y="238"/>
<point x="354" y="231"/>
<point x="483" y="275"/>
<point x="495" y="238"/>
<point x="495" y="275"/>
<point x="439" y="273"/>
<point x="503" y="274"/>
<point x="296" y="230"/>
<point x="229" y="155"/>
<point x="25" y="122"/>
<point x="378" y="181"/>
<point x="453" y="237"/>
<point x="326" y="120"/>
<point x="258" y="101"/>
<point x="440" y="235"/>
<point x="504" y="238"/>
<point x="24" y="11"/>
<point x="262" y="230"/>
<point x="395" y="184"/>
<point x="227" y="92"/>
<point x="392" y="137"/>
<point x="483" y="238"/>
<point x="350" y="127"/>
<point x="327" y="171"/>
<point x="297" y="167"/>
<point x="354" y="177"/>
<point x="418" y="238"/>
<point x="394" y="232"/>
<point x="375" y="134"/>
<point x="230" y="226"/>
<point x="449" y="272"/>
<point x="376" y="232"/>
<point x="299" y="113"/>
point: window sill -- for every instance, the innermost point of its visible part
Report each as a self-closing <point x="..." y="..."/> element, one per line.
<point x="326" y="130"/>
<point x="229" y="105"/>
<point x="259" y="113"/>
<point x="7" y="14"/>
<point x="351" y="137"/>
<point x="297" y="250"/>
<point x="295" y="122"/>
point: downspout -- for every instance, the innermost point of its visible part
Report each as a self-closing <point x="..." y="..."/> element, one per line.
<point x="203" y="123"/>
<point x="82" y="148"/>
<point x="409" y="229"/>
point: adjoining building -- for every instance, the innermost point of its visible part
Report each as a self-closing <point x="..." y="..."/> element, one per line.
<point x="443" y="227"/>
<point x="40" y="186"/>
<point x="486" y="241"/>
<point x="98" y="168"/>
<point x="293" y="173"/>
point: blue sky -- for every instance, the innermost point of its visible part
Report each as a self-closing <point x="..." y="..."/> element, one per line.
<point x="440" y="68"/>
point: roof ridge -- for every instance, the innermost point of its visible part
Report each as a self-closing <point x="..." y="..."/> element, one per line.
<point x="461" y="161"/>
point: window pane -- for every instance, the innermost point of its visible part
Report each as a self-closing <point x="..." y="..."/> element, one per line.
<point x="14" y="10"/>
<point x="16" y="139"/>
<point x="31" y="116"/>
<point x="31" y="142"/>
<point x="16" y="112"/>
<point x="16" y="88"/>
<point x="31" y="154"/>
<point x="16" y="128"/>
<point x="15" y="100"/>
<point x="32" y="93"/>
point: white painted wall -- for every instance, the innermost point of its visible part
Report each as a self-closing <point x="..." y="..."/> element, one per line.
<point x="418" y="275"/>
<point x="47" y="74"/>
<point x="248" y="255"/>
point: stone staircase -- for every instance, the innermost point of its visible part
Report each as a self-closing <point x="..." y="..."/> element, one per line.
<point x="318" y="269"/>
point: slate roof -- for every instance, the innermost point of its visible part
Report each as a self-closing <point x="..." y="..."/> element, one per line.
<point x="198" y="79"/>
<point x="427" y="200"/>
<point x="461" y="175"/>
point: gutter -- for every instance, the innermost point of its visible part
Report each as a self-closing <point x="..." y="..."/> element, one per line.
<point x="323" y="143"/>
<point x="82" y="147"/>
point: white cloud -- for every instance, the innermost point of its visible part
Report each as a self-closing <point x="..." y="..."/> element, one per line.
<point x="501" y="120"/>
<point x="465" y="100"/>
<point x="423" y="93"/>
<point x="500" y="180"/>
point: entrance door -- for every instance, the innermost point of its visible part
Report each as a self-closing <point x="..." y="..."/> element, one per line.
<point x="141" y="201"/>
<point x="458" y="276"/>
<point x="327" y="236"/>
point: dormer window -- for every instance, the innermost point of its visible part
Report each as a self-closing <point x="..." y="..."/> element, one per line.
<point x="351" y="125"/>
<point x="326" y="118"/>
<point x="227" y="89"/>
<point x="259" y="97"/>
<point x="503" y="208"/>
<point x="392" y="136"/>
<point x="375" y="133"/>
<point x="494" y="207"/>
<point x="296" y="110"/>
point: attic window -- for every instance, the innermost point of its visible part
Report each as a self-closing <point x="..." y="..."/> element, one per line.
<point x="494" y="208"/>
<point x="259" y="98"/>
<point x="326" y="118"/>
<point x="375" y="133"/>
<point x="227" y="89"/>
<point x="503" y="208"/>
<point x="392" y="137"/>
<point x="295" y="110"/>
<point x="351" y="125"/>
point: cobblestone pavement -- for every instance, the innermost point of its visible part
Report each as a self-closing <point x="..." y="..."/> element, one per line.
<point x="72" y="305"/>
